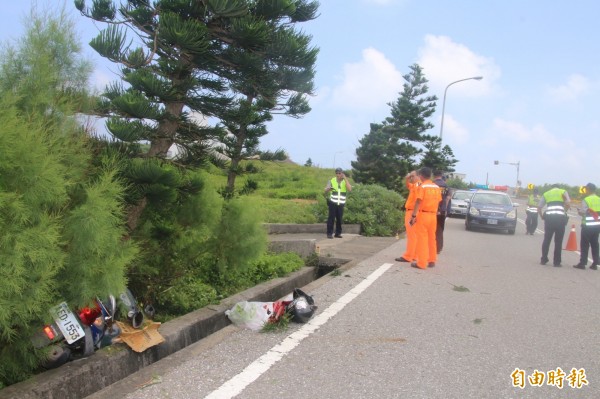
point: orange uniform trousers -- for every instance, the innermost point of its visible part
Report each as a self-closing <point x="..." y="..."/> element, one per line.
<point x="411" y="237"/>
<point x="426" y="244"/>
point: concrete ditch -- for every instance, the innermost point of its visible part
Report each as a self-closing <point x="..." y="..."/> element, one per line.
<point x="83" y="377"/>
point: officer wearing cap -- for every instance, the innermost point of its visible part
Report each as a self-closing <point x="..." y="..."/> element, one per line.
<point x="590" y="227"/>
<point x="337" y="188"/>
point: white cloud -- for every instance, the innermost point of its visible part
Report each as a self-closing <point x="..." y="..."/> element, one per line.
<point x="444" y="61"/>
<point x="101" y="78"/>
<point x="454" y="131"/>
<point x="368" y="84"/>
<point x="575" y="86"/>
<point x="517" y="132"/>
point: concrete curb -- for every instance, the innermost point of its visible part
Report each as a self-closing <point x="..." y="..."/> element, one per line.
<point x="80" y="378"/>
<point x="314" y="228"/>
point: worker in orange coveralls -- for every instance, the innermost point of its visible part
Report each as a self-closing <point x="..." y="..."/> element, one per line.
<point x="412" y="181"/>
<point x="424" y="217"/>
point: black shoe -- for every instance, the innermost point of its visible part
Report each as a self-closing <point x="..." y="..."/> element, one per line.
<point x="414" y="265"/>
<point x="329" y="236"/>
<point x="401" y="259"/>
<point x="594" y="266"/>
<point x="431" y="264"/>
<point x="559" y="265"/>
<point x="579" y="266"/>
<point x="338" y="236"/>
<point x="543" y="262"/>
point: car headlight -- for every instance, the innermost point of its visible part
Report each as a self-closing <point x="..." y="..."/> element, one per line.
<point x="512" y="214"/>
<point x="474" y="211"/>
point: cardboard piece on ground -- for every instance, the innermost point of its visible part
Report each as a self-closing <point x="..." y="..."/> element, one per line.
<point x="141" y="339"/>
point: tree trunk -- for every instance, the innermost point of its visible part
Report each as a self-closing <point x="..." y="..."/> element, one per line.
<point x="159" y="148"/>
<point x="235" y="159"/>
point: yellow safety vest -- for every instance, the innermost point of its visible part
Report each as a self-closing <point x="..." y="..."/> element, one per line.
<point x="555" y="203"/>
<point x="593" y="203"/>
<point x="338" y="192"/>
<point x="532" y="204"/>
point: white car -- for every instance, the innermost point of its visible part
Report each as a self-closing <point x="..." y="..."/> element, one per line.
<point x="458" y="203"/>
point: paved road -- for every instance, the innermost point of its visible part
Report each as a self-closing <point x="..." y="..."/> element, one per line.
<point x="386" y="330"/>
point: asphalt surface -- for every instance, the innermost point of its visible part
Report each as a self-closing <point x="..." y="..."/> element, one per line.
<point x="386" y="330"/>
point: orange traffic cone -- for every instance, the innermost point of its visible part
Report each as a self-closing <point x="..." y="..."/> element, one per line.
<point x="572" y="242"/>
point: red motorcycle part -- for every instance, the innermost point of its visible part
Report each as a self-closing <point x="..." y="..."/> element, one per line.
<point x="89" y="315"/>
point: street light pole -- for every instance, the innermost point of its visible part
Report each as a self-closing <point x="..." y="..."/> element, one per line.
<point x="517" y="164"/>
<point x="444" y="102"/>
<point x="334" y="154"/>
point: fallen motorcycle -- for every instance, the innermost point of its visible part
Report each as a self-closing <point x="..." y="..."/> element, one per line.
<point x="77" y="335"/>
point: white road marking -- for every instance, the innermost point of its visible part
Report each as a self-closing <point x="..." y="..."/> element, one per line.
<point x="253" y="371"/>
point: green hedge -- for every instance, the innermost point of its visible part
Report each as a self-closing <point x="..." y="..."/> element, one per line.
<point x="377" y="209"/>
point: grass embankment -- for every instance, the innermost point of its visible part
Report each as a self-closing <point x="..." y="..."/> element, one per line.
<point x="287" y="192"/>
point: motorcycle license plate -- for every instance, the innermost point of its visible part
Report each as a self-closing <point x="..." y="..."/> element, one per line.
<point x="67" y="322"/>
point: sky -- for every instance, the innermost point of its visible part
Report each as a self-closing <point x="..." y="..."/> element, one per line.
<point x="535" y="111"/>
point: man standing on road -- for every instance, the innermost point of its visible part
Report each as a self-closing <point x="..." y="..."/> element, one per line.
<point x="555" y="220"/>
<point x="531" y="220"/>
<point x="424" y="217"/>
<point x="442" y="208"/>
<point x="590" y="227"/>
<point x="337" y="188"/>
<point x="412" y="182"/>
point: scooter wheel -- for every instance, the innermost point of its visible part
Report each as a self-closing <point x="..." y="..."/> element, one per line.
<point x="88" y="345"/>
<point x="57" y="356"/>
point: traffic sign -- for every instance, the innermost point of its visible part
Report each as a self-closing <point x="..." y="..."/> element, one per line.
<point x="530" y="186"/>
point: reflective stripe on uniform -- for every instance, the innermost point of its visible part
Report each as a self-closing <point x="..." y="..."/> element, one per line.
<point x="338" y="192"/>
<point x="555" y="210"/>
<point x="590" y="221"/>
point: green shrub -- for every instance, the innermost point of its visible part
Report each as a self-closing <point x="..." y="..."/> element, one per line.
<point x="240" y="237"/>
<point x="271" y="265"/>
<point x="266" y="267"/>
<point x="175" y="237"/>
<point x="186" y="295"/>
<point x="377" y="209"/>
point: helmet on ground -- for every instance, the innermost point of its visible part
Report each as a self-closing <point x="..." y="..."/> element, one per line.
<point x="302" y="306"/>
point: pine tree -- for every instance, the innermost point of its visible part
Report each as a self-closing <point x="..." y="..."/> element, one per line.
<point x="235" y="60"/>
<point x="378" y="161"/>
<point x="61" y="218"/>
<point x="387" y="152"/>
<point x="436" y="157"/>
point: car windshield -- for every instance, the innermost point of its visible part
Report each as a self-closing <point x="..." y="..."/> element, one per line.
<point x="494" y="199"/>
<point x="462" y="195"/>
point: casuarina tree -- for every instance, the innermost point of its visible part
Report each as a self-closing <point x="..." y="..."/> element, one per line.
<point x="61" y="216"/>
<point x="390" y="150"/>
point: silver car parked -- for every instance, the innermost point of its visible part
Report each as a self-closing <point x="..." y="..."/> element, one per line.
<point x="458" y="203"/>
